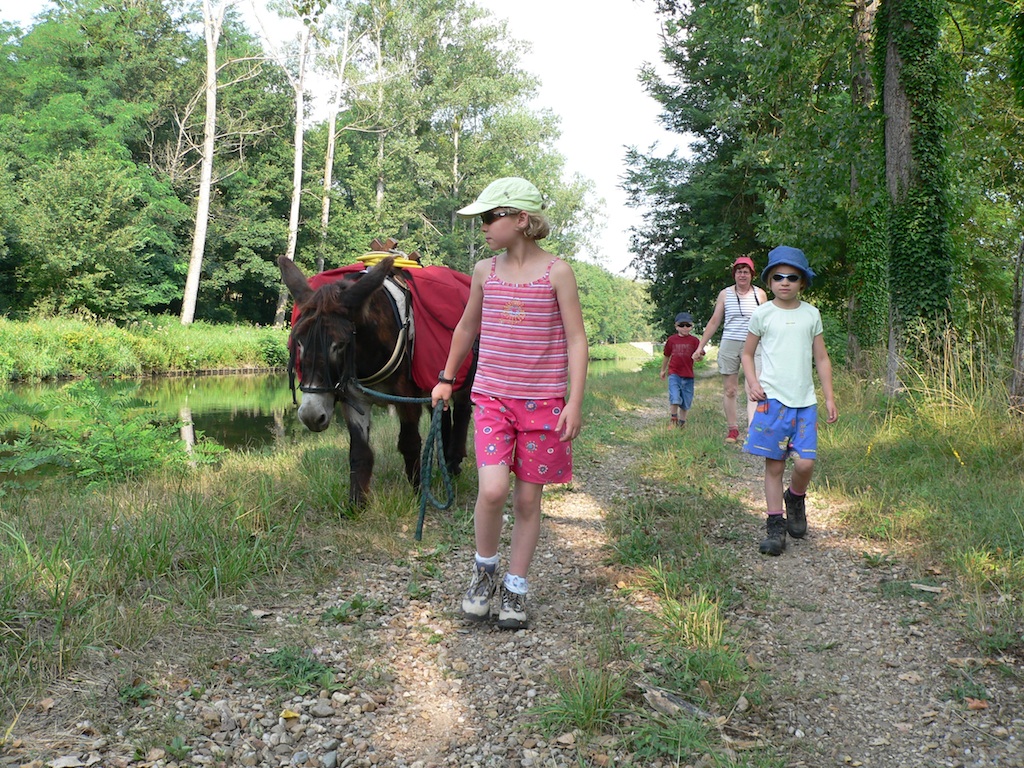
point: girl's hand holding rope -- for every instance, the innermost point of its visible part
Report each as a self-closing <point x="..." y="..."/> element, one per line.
<point x="441" y="393"/>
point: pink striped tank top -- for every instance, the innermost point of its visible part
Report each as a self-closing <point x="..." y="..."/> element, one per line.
<point x="523" y="350"/>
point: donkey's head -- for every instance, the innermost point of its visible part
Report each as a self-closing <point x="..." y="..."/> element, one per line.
<point x="322" y="341"/>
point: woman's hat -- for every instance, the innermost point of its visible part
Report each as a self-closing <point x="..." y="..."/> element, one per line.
<point x="684" y="317"/>
<point x="509" y="192"/>
<point x="744" y="261"/>
<point x="791" y="257"/>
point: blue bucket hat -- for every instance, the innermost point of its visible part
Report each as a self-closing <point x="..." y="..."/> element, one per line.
<point x="684" y="317"/>
<point x="791" y="257"/>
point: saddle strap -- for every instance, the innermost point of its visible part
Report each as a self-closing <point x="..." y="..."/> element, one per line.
<point x="398" y="295"/>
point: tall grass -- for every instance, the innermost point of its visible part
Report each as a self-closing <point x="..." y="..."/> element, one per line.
<point x="60" y="347"/>
<point x="936" y="470"/>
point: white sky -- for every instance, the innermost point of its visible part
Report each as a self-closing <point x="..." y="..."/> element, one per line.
<point x="587" y="57"/>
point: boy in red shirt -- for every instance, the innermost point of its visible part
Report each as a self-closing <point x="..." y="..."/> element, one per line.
<point x="678" y="365"/>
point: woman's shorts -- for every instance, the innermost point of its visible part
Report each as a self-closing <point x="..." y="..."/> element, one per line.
<point x="520" y="434"/>
<point x="777" y="429"/>
<point x="680" y="391"/>
<point x="729" y="352"/>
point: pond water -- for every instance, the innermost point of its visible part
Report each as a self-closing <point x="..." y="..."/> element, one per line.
<point x="238" y="411"/>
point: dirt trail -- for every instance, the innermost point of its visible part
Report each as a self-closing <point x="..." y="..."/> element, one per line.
<point x="865" y="668"/>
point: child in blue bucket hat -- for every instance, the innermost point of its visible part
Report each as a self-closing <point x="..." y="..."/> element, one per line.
<point x="789" y="333"/>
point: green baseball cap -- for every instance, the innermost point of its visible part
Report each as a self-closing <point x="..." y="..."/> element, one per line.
<point x="509" y="192"/>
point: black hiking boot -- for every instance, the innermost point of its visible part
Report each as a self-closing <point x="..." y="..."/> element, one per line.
<point x="796" y="515"/>
<point x="775" y="542"/>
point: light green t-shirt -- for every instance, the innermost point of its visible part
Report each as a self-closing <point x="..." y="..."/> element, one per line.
<point x="787" y="358"/>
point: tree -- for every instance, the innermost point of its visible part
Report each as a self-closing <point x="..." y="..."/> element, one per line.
<point x="920" y="253"/>
<point x="213" y="24"/>
<point x="295" y="66"/>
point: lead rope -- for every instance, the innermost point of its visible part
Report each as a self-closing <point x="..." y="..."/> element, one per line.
<point x="433" y="450"/>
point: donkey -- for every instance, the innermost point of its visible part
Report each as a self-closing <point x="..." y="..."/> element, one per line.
<point x="350" y="344"/>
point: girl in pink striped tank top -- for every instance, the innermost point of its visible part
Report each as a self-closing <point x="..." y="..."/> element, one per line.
<point x="528" y="392"/>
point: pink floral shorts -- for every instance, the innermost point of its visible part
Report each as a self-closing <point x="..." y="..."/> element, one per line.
<point x="521" y="434"/>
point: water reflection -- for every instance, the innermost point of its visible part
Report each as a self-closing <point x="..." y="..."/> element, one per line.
<point x="238" y="411"/>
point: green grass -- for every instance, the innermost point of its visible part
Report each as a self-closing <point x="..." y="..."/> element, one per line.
<point x="55" y="347"/>
<point x="933" y="479"/>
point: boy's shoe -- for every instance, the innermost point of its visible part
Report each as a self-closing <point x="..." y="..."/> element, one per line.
<point x="476" y="603"/>
<point x="733" y="436"/>
<point x="775" y="542"/>
<point x="674" y="421"/>
<point x="796" y="515"/>
<point x="513" y="610"/>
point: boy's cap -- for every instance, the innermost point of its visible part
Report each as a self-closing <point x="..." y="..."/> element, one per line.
<point x="684" y="317"/>
<point x="744" y="261"/>
<point x="508" y="192"/>
<point x="792" y="257"/>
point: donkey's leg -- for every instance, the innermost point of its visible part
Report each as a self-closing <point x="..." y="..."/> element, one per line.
<point x="410" y="444"/>
<point x="360" y="454"/>
<point x="455" y="444"/>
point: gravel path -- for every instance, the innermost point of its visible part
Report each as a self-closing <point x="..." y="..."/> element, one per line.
<point x="862" y="665"/>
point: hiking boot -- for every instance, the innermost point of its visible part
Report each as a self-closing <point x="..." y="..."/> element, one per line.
<point x="476" y="603"/>
<point x="513" y="610"/>
<point x="796" y="515"/>
<point x="775" y="542"/>
<point x="733" y="436"/>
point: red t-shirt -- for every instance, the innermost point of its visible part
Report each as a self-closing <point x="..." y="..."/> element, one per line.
<point x="679" y="350"/>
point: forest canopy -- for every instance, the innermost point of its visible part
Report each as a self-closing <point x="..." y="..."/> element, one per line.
<point x="883" y="138"/>
<point x="101" y="150"/>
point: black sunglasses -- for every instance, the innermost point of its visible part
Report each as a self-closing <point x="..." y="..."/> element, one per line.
<point x="684" y="325"/>
<point x="778" y="278"/>
<point x="489" y="217"/>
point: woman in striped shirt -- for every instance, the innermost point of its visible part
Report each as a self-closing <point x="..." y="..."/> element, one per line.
<point x="734" y="305"/>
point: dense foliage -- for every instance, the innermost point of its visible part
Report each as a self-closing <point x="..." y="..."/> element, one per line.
<point x="787" y="109"/>
<point x="101" y="133"/>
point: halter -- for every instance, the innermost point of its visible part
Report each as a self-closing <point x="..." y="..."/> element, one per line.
<point x="399" y="299"/>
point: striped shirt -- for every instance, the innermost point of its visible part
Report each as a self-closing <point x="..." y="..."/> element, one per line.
<point x="738" y="310"/>
<point x="523" y="350"/>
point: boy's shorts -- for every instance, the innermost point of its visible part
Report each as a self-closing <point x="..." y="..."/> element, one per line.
<point x="520" y="434"/>
<point x="680" y="391"/>
<point x="729" y="352"/>
<point x="777" y="429"/>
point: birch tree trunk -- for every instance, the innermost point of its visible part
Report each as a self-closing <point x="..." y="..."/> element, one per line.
<point x="298" y="86"/>
<point x="325" y="201"/>
<point x="213" y="23"/>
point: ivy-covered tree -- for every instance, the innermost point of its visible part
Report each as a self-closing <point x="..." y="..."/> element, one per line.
<point x="915" y="78"/>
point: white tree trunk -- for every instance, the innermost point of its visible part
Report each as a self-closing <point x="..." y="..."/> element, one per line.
<point x="213" y="21"/>
<point x="325" y="202"/>
<point x="298" y="85"/>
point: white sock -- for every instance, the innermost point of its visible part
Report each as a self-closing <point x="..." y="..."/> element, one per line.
<point x="517" y="584"/>
<point x="488" y="563"/>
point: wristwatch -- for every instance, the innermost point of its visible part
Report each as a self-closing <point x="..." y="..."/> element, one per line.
<point x="441" y="378"/>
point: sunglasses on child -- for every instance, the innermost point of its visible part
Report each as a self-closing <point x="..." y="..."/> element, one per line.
<point x="489" y="217"/>
<point x="684" y="325"/>
<point x="778" y="278"/>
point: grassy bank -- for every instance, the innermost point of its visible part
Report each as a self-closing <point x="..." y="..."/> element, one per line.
<point x="57" y="348"/>
<point x="60" y="348"/>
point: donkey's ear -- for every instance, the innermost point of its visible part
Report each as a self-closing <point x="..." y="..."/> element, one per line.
<point x="358" y="292"/>
<point x="294" y="280"/>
